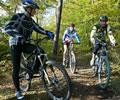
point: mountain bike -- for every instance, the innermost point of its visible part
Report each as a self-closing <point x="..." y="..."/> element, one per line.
<point x="101" y="67"/>
<point x="70" y="59"/>
<point x="54" y="77"/>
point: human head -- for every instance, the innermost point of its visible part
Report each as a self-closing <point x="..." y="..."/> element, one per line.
<point x="72" y="27"/>
<point x="103" y="20"/>
<point x="30" y="7"/>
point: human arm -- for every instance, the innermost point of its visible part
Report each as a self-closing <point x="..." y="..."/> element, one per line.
<point x="10" y="28"/>
<point x="77" y="38"/>
<point x="64" y="36"/>
<point x="92" y="34"/>
<point x="110" y="35"/>
<point x="38" y="29"/>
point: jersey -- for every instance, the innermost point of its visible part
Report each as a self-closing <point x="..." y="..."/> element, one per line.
<point x="69" y="35"/>
<point x="20" y="24"/>
<point x="100" y="33"/>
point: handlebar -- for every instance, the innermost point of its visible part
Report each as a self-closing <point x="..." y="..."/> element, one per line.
<point x="105" y="44"/>
<point x="40" y="40"/>
<point x="75" y="43"/>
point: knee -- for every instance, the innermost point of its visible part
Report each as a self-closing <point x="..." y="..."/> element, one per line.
<point x="95" y="51"/>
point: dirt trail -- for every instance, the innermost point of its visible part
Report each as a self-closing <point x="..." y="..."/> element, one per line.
<point x="84" y="85"/>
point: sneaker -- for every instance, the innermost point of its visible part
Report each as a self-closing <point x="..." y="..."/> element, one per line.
<point x="92" y="62"/>
<point x="19" y="95"/>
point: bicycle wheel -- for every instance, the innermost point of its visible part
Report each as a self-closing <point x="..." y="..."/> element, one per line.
<point x="104" y="73"/>
<point x="72" y="62"/>
<point x="56" y="81"/>
<point x="24" y="79"/>
<point x="67" y="59"/>
<point x="95" y="67"/>
<point x="95" y="70"/>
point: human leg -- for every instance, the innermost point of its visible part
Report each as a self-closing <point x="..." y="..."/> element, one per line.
<point x="64" y="53"/>
<point x="16" y="53"/>
<point x="95" y="50"/>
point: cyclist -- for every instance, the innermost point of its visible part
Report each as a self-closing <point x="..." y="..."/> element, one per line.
<point x="20" y="29"/>
<point x="99" y="33"/>
<point x="68" y="36"/>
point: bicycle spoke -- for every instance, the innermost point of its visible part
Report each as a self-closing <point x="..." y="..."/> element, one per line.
<point x="72" y="62"/>
<point x="24" y="79"/>
<point x="104" y="74"/>
<point x="59" y="84"/>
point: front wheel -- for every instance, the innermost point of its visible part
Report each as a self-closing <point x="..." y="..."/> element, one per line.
<point x="56" y="81"/>
<point x="104" y="73"/>
<point x="72" y="62"/>
<point x="95" y="67"/>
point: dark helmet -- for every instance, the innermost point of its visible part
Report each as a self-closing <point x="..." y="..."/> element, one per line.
<point x="72" y="25"/>
<point x="104" y="18"/>
<point x="29" y="3"/>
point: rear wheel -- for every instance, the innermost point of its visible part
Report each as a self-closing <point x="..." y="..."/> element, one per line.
<point x="104" y="73"/>
<point x="24" y="79"/>
<point x="72" y="62"/>
<point x="56" y="81"/>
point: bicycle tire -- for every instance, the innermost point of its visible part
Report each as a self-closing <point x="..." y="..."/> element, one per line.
<point x="95" y="70"/>
<point x="103" y="83"/>
<point x="72" y="62"/>
<point x="55" y="89"/>
<point x="24" y="78"/>
<point x="67" y="59"/>
<point x="95" y="67"/>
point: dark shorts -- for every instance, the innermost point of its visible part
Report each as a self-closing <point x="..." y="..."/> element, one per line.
<point x="96" y="48"/>
<point x="66" y="43"/>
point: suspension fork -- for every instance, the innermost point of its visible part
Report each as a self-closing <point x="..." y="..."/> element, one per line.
<point x="100" y="62"/>
<point x="46" y="75"/>
<point x="43" y="66"/>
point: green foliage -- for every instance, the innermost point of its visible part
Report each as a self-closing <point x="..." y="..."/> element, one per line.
<point x="4" y="48"/>
<point x="86" y="13"/>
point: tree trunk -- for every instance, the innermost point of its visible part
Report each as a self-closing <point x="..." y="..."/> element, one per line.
<point x="57" y="29"/>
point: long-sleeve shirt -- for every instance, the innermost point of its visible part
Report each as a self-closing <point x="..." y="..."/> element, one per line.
<point x="70" y="35"/>
<point x="20" y="24"/>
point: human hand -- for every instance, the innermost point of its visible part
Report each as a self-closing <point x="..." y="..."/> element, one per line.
<point x="20" y="39"/>
<point x="50" y="34"/>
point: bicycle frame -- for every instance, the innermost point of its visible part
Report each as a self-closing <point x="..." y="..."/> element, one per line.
<point x="70" y="48"/>
<point x="102" y="53"/>
<point x="70" y="57"/>
<point x="102" y="59"/>
<point x="48" y="70"/>
<point x="38" y="55"/>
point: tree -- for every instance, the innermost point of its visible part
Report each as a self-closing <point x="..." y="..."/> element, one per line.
<point x="56" y="38"/>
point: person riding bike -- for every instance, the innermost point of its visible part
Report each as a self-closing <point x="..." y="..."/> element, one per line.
<point x="20" y="30"/>
<point x="99" y="33"/>
<point x="68" y="36"/>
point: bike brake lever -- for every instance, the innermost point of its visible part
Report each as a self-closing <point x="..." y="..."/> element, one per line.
<point x="47" y="38"/>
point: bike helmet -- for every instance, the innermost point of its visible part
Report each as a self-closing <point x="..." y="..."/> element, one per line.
<point x="104" y="18"/>
<point x="29" y="3"/>
<point x="72" y="25"/>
